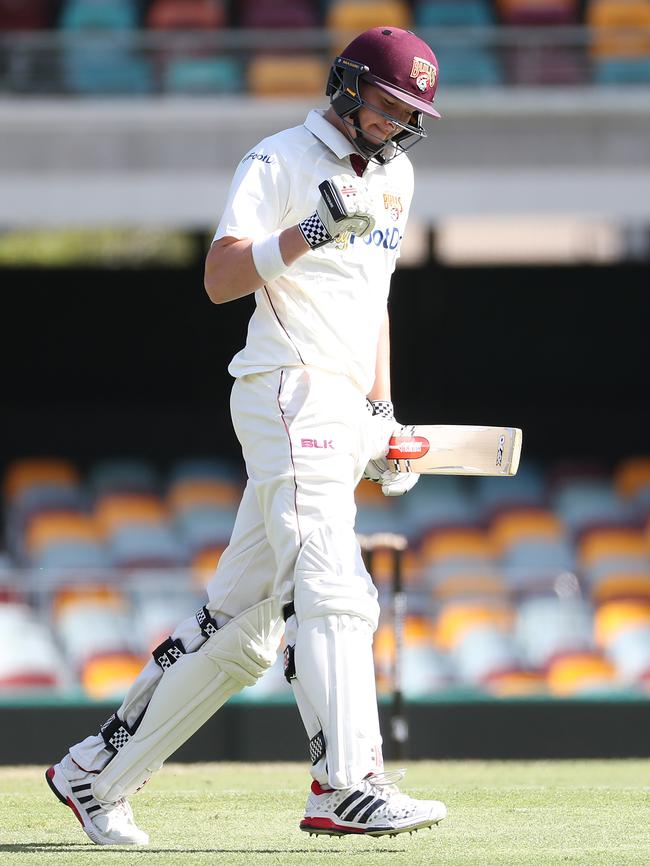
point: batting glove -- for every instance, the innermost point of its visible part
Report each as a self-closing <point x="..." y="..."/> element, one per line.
<point x="344" y="206"/>
<point x="378" y="469"/>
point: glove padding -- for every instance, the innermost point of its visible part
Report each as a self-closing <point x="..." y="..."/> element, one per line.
<point x="378" y="469"/>
<point x="344" y="206"/>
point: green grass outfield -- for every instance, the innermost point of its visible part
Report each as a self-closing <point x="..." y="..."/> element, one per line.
<point x="528" y="813"/>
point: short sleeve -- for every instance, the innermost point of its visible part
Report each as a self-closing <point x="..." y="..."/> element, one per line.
<point x="258" y="195"/>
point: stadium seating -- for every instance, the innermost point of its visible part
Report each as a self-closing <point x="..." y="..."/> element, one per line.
<point x="542" y="63"/>
<point x="280" y="76"/>
<point x="284" y="14"/>
<point x="25" y="14"/>
<point x="620" y="43"/>
<point x="463" y="60"/>
<point x="193" y="66"/>
<point x="546" y="591"/>
<point x="103" y="62"/>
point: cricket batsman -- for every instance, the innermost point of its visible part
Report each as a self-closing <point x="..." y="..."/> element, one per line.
<point x="312" y="226"/>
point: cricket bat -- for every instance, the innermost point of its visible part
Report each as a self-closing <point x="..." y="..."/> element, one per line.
<point x="455" y="449"/>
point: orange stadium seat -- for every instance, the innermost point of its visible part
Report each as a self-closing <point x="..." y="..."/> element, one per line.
<point x="633" y="476"/>
<point x="614" y="617"/>
<point x="383" y="567"/>
<point x="186" y="14"/>
<point x="581" y="672"/>
<point x="204" y="563"/>
<point x="116" y="509"/>
<point x="620" y="28"/>
<point x="109" y="676"/>
<point x="612" y="542"/>
<point x="346" y="18"/>
<point x="298" y="75"/>
<point x="468" y="584"/>
<point x="59" y="526"/>
<point x="30" y="472"/>
<point x="463" y="544"/>
<point x="193" y="492"/>
<point x="511" y="527"/>
<point x="456" y="619"/>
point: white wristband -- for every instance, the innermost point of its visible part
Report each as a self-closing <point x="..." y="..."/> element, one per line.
<point x="267" y="257"/>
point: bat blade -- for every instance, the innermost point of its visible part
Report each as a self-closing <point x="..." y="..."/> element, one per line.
<point x="456" y="449"/>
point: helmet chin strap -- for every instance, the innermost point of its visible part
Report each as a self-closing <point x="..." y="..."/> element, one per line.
<point x="368" y="149"/>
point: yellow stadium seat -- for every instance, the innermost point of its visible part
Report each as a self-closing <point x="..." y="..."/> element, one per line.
<point x="109" y="676"/>
<point x="513" y="526"/>
<point x="612" y="541"/>
<point x="116" y="509"/>
<point x="271" y="75"/>
<point x="613" y="617"/>
<point x="448" y="544"/>
<point x="576" y="672"/>
<point x="29" y="472"/>
<point x="457" y="618"/>
<point x="632" y="475"/>
<point x="621" y="28"/>
<point x="47" y="527"/>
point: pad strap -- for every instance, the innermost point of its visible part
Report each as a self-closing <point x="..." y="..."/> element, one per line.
<point x="316" y="748"/>
<point x="168" y="653"/>
<point x="115" y="733"/>
<point x="207" y="623"/>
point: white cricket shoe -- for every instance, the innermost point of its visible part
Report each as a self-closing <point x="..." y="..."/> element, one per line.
<point x="374" y="807"/>
<point x="104" y="824"/>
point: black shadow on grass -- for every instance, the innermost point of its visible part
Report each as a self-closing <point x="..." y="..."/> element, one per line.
<point x="121" y="849"/>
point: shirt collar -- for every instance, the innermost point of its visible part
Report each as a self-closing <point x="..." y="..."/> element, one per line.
<point x="328" y="134"/>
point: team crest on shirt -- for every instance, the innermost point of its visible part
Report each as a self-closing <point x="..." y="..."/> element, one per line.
<point x="424" y="73"/>
<point x="393" y="204"/>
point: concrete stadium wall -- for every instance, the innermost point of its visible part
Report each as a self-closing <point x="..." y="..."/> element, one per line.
<point x="170" y="161"/>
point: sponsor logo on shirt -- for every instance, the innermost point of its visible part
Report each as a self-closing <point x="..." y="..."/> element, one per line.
<point x="389" y="239"/>
<point x="262" y="157"/>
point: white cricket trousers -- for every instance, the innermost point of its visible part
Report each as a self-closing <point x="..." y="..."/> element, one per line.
<point x="305" y="439"/>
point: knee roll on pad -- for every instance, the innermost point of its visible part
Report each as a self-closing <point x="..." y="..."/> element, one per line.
<point x="190" y="692"/>
<point x="330" y="577"/>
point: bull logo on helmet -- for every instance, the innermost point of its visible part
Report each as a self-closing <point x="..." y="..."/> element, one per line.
<point x="424" y="73"/>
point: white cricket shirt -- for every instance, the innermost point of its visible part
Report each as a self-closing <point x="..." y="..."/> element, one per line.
<point x="327" y="308"/>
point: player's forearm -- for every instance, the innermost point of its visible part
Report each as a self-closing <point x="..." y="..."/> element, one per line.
<point x="381" y="386"/>
<point x="230" y="271"/>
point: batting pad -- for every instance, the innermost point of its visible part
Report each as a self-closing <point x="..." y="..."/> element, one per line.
<point x="189" y="693"/>
<point x="337" y="613"/>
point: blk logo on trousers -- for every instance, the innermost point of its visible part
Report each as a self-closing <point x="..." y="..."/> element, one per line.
<point x="316" y="443"/>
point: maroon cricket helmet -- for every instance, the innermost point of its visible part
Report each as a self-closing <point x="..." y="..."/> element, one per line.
<point x="398" y="62"/>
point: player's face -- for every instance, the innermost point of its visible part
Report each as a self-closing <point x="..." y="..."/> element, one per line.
<point x="375" y="126"/>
